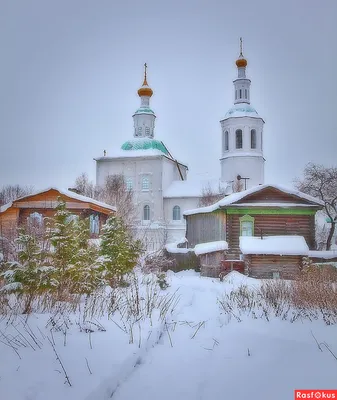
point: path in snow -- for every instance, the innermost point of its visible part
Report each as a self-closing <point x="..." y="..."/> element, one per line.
<point x="251" y="359"/>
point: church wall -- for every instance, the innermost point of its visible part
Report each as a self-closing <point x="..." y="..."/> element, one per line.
<point x="171" y="173"/>
<point x="185" y="203"/>
<point x="247" y="166"/>
<point x="136" y="168"/>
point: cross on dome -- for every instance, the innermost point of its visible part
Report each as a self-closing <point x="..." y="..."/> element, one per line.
<point x="241" y="62"/>
<point x="145" y="90"/>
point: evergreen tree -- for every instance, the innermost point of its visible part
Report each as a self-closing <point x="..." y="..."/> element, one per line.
<point x="62" y="236"/>
<point x="119" y="252"/>
<point x="29" y="275"/>
<point x="84" y="272"/>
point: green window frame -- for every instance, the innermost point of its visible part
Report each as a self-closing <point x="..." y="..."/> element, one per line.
<point x="246" y="225"/>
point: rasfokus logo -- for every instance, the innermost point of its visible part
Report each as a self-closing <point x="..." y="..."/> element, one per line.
<point x="315" y="394"/>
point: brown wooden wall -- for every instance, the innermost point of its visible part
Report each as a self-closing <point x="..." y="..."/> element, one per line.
<point x="14" y="217"/>
<point x="263" y="266"/>
<point x="272" y="225"/>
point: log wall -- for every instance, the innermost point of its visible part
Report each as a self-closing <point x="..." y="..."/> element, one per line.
<point x="263" y="266"/>
<point x="272" y="225"/>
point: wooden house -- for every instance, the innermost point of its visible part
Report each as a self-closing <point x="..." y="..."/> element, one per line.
<point x="263" y="211"/>
<point x="32" y="209"/>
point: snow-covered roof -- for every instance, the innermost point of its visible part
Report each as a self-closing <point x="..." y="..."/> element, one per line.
<point x="193" y="187"/>
<point x="242" y="110"/>
<point x="65" y="192"/>
<point x="210" y="247"/>
<point x="277" y="245"/>
<point x="140" y="147"/>
<point x="327" y="254"/>
<point x="235" y="197"/>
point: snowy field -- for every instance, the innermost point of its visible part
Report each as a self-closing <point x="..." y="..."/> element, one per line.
<point x="186" y="348"/>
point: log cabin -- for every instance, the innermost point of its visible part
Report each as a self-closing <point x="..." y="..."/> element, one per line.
<point x="268" y="229"/>
<point x="34" y="208"/>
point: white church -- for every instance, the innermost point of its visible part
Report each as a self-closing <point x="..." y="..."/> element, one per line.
<point x="162" y="190"/>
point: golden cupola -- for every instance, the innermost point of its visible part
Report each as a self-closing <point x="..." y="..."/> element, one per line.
<point x="145" y="90"/>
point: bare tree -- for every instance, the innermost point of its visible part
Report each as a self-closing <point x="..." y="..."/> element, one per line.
<point x="115" y="193"/>
<point x="321" y="182"/>
<point x="9" y="193"/>
<point x="85" y="187"/>
<point x="210" y="196"/>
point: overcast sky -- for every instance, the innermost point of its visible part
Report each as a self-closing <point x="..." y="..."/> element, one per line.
<point x="70" y="71"/>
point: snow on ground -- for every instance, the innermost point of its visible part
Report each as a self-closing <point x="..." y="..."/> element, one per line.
<point x="196" y="354"/>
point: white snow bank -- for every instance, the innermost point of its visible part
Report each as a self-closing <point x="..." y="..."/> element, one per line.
<point x="233" y="198"/>
<point x="280" y="245"/>
<point x="328" y="254"/>
<point x="173" y="248"/>
<point x="210" y="247"/>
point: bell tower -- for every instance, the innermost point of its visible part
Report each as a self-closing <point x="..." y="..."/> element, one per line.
<point x="242" y="161"/>
<point x="144" y="117"/>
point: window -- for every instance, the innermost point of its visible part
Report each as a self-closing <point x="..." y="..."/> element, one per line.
<point x="35" y="219"/>
<point x="253" y="139"/>
<point x="276" y="275"/>
<point x="246" y="226"/>
<point x="139" y="131"/>
<point x="246" y="93"/>
<point x="145" y="183"/>
<point x="146" y="213"/>
<point x="261" y="142"/>
<point x="226" y="144"/>
<point x="147" y="131"/>
<point x="129" y="183"/>
<point x="236" y="94"/>
<point x="94" y="224"/>
<point x="240" y="93"/>
<point x="176" y="213"/>
<point x="238" y="135"/>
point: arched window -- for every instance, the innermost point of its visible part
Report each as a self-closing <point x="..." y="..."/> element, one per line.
<point x="129" y="183"/>
<point x="145" y="183"/>
<point x="246" y="94"/>
<point x="238" y="137"/>
<point x="226" y="142"/>
<point x="146" y="213"/>
<point x="35" y="219"/>
<point x="176" y="213"/>
<point x="253" y="139"/>
<point x="240" y="93"/>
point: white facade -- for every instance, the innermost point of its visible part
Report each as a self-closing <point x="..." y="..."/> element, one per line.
<point x="242" y="160"/>
<point x="161" y="189"/>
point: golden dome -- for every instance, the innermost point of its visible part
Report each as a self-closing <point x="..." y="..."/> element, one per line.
<point x="241" y="62"/>
<point x="145" y="90"/>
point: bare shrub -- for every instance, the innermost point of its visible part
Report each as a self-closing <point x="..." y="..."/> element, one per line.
<point x="157" y="262"/>
<point x="312" y="295"/>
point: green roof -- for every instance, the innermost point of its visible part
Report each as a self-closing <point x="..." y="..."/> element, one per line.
<point x="144" y="110"/>
<point x="144" y="144"/>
